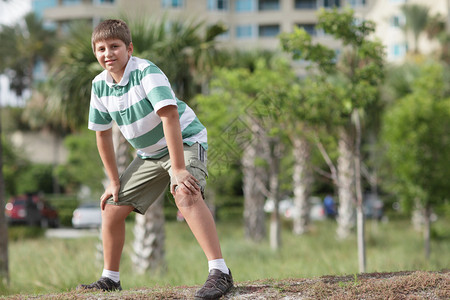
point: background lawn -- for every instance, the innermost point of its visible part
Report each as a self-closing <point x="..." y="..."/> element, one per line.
<point x="44" y="265"/>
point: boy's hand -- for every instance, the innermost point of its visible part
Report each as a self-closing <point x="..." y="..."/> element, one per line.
<point x="185" y="180"/>
<point x="111" y="190"/>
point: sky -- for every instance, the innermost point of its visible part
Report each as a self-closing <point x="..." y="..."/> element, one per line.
<point x="11" y="11"/>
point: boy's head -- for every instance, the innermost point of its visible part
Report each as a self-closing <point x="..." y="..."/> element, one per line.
<point x="111" y="29"/>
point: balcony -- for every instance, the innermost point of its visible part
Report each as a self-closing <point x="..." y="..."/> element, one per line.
<point x="80" y="9"/>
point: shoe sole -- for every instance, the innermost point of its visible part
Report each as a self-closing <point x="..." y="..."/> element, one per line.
<point x="226" y="292"/>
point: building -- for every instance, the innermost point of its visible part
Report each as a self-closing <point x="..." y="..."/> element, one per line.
<point x="251" y="23"/>
<point x="389" y="18"/>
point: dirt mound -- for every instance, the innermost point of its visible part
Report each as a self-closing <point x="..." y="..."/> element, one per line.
<point x="397" y="285"/>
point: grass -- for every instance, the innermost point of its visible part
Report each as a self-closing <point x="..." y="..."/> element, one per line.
<point x="45" y="265"/>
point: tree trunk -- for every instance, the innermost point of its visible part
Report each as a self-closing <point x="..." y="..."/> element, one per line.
<point x="346" y="176"/>
<point x="4" y="263"/>
<point x="254" y="216"/>
<point x="427" y="230"/>
<point x="274" y="190"/>
<point x="149" y="239"/>
<point x="359" y="197"/>
<point x="122" y="150"/>
<point x="302" y="180"/>
<point x="210" y="200"/>
<point x="418" y="216"/>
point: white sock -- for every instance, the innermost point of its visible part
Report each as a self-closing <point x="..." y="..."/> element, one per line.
<point x="113" y="275"/>
<point x="218" y="264"/>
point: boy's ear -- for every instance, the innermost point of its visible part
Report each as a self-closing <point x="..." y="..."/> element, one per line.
<point x="130" y="48"/>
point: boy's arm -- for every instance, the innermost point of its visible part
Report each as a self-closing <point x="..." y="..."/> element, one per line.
<point x="172" y="132"/>
<point x="106" y="150"/>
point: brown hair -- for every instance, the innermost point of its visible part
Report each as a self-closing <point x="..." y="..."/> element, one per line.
<point x="111" y="29"/>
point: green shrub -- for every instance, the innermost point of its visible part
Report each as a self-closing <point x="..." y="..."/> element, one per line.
<point x="16" y="233"/>
<point x="65" y="205"/>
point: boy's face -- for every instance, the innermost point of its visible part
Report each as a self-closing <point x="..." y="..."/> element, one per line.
<point x="113" y="56"/>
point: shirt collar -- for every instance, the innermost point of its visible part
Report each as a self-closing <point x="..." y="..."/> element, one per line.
<point x="125" y="78"/>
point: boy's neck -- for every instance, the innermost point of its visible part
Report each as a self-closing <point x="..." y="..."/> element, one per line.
<point x="117" y="77"/>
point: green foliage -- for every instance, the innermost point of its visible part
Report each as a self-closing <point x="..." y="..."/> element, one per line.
<point x="299" y="43"/>
<point x="399" y="80"/>
<point x="20" y="233"/>
<point x="238" y="95"/>
<point x="354" y="79"/>
<point x="12" y="119"/>
<point x="65" y="205"/>
<point x="23" y="177"/>
<point x="13" y="166"/>
<point x="417" y="133"/>
<point x="35" y="178"/>
<point x="84" y="166"/>
<point x="343" y="25"/>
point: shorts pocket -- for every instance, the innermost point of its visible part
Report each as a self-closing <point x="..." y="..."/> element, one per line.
<point x="197" y="166"/>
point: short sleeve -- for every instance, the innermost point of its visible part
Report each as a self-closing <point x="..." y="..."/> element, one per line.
<point x="99" y="117"/>
<point x="157" y="88"/>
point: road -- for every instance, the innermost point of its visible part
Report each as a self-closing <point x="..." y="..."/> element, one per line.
<point x="71" y="233"/>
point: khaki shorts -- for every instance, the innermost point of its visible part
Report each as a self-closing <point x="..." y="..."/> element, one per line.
<point x="145" y="180"/>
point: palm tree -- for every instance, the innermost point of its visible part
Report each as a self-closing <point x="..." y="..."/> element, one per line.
<point x="22" y="47"/>
<point x="416" y="21"/>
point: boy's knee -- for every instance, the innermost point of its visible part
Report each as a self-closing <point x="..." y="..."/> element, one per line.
<point x="183" y="199"/>
<point x="116" y="212"/>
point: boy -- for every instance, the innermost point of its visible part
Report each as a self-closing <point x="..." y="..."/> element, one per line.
<point x="171" y="147"/>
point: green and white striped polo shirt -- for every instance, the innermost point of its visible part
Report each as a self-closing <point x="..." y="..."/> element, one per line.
<point x="132" y="104"/>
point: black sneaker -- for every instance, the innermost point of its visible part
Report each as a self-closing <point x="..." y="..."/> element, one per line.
<point x="104" y="283"/>
<point x="217" y="285"/>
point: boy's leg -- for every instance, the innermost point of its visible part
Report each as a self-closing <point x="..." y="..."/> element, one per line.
<point x="113" y="234"/>
<point x="200" y="221"/>
<point x="202" y="225"/>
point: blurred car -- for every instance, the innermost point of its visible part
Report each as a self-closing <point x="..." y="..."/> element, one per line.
<point x="373" y="207"/>
<point x="87" y="215"/>
<point x="31" y="209"/>
<point x="286" y="208"/>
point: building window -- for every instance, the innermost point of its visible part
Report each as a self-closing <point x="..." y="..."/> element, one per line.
<point x="269" y="4"/>
<point x="99" y="2"/>
<point x="305" y="4"/>
<point x="398" y="50"/>
<point x="71" y="2"/>
<point x="268" y="30"/>
<point x="331" y="3"/>
<point x="244" y="31"/>
<point x="397" y="21"/>
<point x="357" y="3"/>
<point x="245" y="5"/>
<point x="172" y="3"/>
<point x="309" y="28"/>
<point x="224" y="36"/>
<point x="218" y="4"/>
